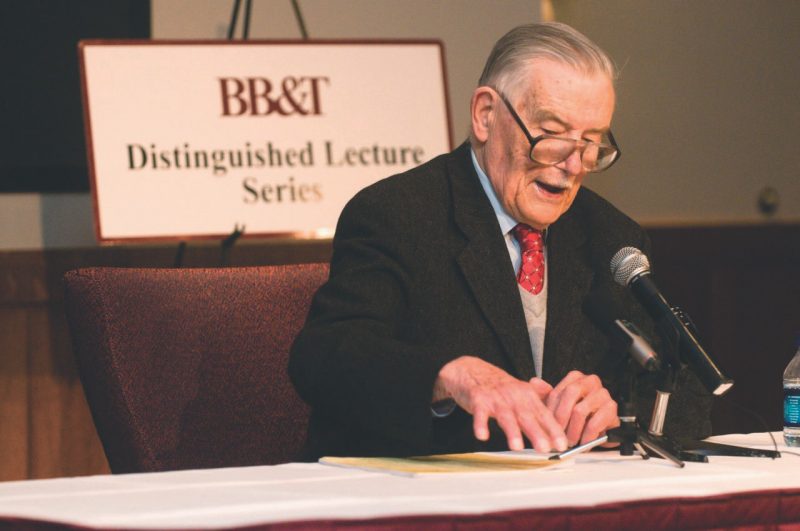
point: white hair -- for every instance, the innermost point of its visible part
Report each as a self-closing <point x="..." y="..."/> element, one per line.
<point x="510" y="58"/>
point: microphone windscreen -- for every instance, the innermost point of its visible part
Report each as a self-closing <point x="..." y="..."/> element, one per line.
<point x="627" y="264"/>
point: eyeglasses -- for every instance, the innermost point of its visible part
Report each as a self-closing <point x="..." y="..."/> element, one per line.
<point x="549" y="150"/>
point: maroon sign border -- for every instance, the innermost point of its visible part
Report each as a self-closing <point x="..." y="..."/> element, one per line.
<point x="306" y="235"/>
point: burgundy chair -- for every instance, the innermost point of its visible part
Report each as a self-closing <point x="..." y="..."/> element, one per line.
<point x="186" y="368"/>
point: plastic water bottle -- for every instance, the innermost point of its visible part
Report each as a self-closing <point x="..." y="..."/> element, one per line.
<point x="791" y="399"/>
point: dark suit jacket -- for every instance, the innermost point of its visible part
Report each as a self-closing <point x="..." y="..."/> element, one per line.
<point x="420" y="275"/>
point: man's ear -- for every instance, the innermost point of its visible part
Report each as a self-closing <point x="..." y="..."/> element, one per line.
<point x="482" y="108"/>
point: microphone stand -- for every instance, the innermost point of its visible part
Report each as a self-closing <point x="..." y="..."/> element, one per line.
<point x="664" y="388"/>
<point x="690" y="450"/>
<point x="630" y="436"/>
<point x="653" y="442"/>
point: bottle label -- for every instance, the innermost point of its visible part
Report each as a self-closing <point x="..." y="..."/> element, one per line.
<point x="791" y="407"/>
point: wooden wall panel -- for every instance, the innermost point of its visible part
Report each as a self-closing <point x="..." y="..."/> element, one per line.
<point x="47" y="430"/>
<point x="63" y="441"/>
<point x="740" y="284"/>
<point x="13" y="394"/>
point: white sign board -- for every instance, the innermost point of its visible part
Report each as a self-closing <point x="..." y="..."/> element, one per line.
<point x="191" y="139"/>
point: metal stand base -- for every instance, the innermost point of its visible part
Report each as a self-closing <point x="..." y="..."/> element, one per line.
<point x="631" y="438"/>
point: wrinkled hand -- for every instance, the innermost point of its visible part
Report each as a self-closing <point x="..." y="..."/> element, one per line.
<point x="582" y="407"/>
<point x="519" y="407"/>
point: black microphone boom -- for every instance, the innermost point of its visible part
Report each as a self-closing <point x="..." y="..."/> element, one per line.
<point x="623" y="335"/>
<point x="630" y="267"/>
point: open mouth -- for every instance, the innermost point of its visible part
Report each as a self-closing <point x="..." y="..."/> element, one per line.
<point x="551" y="189"/>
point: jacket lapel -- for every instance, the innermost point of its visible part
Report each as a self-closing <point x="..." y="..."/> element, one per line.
<point x="485" y="264"/>
<point x="569" y="278"/>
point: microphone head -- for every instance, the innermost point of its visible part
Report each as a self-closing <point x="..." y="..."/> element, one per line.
<point x="627" y="264"/>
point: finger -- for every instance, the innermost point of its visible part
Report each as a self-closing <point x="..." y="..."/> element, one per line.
<point x="572" y="394"/>
<point x="540" y="387"/>
<point x="541" y="428"/>
<point x="569" y="398"/>
<point x="555" y="394"/>
<point x="508" y="423"/>
<point x="578" y="418"/>
<point x="596" y="404"/>
<point x="603" y="420"/>
<point x="535" y="432"/>
<point x="480" y="424"/>
<point x="572" y="376"/>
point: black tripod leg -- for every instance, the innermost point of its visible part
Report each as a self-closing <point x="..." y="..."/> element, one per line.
<point x="659" y="450"/>
<point x="704" y="448"/>
<point x="676" y="449"/>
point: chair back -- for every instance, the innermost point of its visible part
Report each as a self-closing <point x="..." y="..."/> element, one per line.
<point x="187" y="368"/>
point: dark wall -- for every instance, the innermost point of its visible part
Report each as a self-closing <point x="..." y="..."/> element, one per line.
<point x="742" y="288"/>
<point x="42" y="146"/>
<point x="740" y="284"/>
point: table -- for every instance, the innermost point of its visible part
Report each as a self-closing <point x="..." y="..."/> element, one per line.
<point x="599" y="489"/>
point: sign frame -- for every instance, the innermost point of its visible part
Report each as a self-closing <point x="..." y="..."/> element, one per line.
<point x="104" y="239"/>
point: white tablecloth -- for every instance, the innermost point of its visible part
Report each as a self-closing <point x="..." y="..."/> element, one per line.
<point x="251" y="495"/>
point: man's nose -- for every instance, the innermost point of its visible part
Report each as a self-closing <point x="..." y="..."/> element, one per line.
<point x="572" y="164"/>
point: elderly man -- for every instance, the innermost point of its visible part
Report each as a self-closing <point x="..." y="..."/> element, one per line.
<point x="452" y="318"/>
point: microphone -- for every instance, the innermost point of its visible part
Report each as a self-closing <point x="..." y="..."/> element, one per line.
<point x="631" y="268"/>
<point x="623" y="335"/>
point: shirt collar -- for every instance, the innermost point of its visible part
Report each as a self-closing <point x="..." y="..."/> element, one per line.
<point x="504" y="218"/>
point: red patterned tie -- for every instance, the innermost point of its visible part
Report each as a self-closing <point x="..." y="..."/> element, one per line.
<point x="531" y="270"/>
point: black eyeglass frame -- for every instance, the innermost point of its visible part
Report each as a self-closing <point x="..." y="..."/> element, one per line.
<point x="535" y="140"/>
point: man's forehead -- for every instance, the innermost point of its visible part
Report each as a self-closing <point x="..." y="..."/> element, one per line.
<point x="542" y="73"/>
<point x="555" y="91"/>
